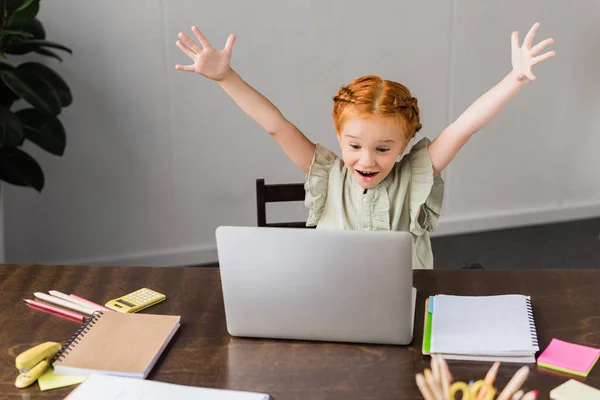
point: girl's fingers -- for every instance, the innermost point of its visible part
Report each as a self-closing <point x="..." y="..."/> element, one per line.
<point x="229" y="44"/>
<point x="514" y="39"/>
<point x="190" y="43"/>
<point x="530" y="75"/>
<point x="527" y="42"/>
<point x="186" y="68"/>
<point x="543" y="57"/>
<point x="535" y="50"/>
<point x="200" y="36"/>
<point x="187" y="51"/>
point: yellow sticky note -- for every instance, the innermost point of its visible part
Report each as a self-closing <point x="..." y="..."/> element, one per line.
<point x="51" y="381"/>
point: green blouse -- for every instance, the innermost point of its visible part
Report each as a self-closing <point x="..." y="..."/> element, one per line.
<point x="336" y="201"/>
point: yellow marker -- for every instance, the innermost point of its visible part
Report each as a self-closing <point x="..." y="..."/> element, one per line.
<point x="34" y="362"/>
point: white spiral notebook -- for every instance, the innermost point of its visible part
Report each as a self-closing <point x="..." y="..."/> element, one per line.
<point x="481" y="328"/>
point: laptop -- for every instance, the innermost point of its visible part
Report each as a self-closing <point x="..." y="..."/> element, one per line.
<point x="317" y="284"/>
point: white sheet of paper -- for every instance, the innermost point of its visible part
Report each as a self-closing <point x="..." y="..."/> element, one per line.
<point x="107" y="387"/>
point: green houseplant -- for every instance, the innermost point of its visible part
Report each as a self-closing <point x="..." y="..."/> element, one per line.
<point x="32" y="95"/>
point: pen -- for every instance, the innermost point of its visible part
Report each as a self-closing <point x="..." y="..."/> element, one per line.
<point x="64" y="303"/>
<point x="515" y="383"/>
<point x="489" y="378"/>
<point x="76" y="299"/>
<point x="63" y="296"/>
<point x="90" y="303"/>
<point x="53" y="310"/>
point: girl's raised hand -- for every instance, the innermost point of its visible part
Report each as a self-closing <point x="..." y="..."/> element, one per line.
<point x="525" y="57"/>
<point x="207" y="61"/>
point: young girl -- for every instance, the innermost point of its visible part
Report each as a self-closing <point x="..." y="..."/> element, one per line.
<point x="374" y="119"/>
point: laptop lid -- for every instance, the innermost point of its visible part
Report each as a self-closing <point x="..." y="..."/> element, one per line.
<point x="315" y="284"/>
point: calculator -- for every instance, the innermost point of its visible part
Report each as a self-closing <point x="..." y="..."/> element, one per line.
<point x="136" y="301"/>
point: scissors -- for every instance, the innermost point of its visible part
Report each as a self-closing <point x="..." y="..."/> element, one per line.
<point x="34" y="362"/>
<point x="471" y="392"/>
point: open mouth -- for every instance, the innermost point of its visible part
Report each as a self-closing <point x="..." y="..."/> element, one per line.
<point x="367" y="174"/>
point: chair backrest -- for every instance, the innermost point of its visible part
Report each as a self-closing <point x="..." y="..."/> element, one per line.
<point x="281" y="192"/>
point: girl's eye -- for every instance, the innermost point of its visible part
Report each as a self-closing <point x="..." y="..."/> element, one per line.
<point x="355" y="146"/>
<point x="383" y="149"/>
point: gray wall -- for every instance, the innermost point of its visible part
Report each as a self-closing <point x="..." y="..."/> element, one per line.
<point x="157" y="159"/>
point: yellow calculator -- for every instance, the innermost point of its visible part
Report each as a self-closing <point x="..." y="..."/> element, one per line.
<point x="136" y="301"/>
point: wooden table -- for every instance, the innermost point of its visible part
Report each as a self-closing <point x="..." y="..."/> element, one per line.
<point x="566" y="305"/>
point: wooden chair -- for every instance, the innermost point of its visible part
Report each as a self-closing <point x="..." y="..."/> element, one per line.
<point x="283" y="192"/>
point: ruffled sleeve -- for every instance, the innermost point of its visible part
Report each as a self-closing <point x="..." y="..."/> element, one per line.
<point x="426" y="191"/>
<point x="316" y="183"/>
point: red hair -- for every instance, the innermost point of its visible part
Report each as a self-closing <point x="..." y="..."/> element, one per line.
<point x="369" y="96"/>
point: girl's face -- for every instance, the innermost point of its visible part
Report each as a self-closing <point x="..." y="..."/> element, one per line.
<point x="370" y="148"/>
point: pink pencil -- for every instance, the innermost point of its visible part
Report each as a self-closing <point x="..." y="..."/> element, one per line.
<point x="91" y="303"/>
<point x="54" y="310"/>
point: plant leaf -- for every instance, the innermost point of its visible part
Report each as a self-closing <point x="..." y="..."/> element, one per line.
<point x="33" y="26"/>
<point x="17" y="46"/>
<point x="44" y="130"/>
<point x="7" y="97"/>
<point x="25" y="4"/>
<point x="33" y="89"/>
<point x="55" y="80"/>
<point x="6" y="66"/>
<point x="48" y="53"/>
<point x="15" y="33"/>
<point x="25" y="12"/>
<point x="12" y="5"/>
<point x="22" y="46"/>
<point x="11" y="128"/>
<point x="19" y="168"/>
<point x="47" y="43"/>
<point x="7" y="8"/>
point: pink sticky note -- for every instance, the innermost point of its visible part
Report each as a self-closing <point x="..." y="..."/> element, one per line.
<point x="569" y="357"/>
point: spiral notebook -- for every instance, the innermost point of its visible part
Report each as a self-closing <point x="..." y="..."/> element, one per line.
<point x="116" y="343"/>
<point x="481" y="328"/>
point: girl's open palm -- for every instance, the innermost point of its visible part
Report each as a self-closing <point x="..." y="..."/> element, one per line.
<point x="207" y="61"/>
<point x="525" y="57"/>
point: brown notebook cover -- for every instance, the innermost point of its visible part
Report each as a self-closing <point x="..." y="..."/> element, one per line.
<point x="117" y="344"/>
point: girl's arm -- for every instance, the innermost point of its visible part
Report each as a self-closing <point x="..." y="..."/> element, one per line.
<point x="215" y="65"/>
<point x="448" y="143"/>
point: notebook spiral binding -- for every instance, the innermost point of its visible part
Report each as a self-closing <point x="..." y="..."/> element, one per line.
<point x="532" y="329"/>
<point x="88" y="323"/>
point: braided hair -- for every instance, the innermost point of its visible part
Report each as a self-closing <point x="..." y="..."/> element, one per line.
<point x="371" y="95"/>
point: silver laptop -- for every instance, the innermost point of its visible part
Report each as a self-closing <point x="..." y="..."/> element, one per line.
<point x="312" y="284"/>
